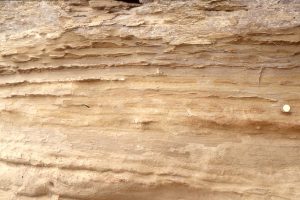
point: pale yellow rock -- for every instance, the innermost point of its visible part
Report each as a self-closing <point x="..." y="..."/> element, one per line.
<point x="162" y="101"/>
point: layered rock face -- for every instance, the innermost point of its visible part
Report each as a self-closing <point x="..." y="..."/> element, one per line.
<point x="179" y="100"/>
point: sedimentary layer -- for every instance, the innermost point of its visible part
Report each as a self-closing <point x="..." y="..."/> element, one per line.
<point x="165" y="100"/>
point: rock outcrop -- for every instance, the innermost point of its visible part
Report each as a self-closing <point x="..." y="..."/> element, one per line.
<point x="110" y="100"/>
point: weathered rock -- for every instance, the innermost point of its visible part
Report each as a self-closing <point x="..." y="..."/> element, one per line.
<point x="166" y="100"/>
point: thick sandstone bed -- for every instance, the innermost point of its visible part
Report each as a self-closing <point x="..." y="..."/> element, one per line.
<point x="178" y="100"/>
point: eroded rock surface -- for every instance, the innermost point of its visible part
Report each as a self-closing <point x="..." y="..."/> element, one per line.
<point x="164" y="100"/>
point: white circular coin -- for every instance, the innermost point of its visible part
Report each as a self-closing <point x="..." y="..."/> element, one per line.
<point x="286" y="108"/>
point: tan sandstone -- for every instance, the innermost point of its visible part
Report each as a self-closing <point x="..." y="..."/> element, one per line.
<point x="170" y="100"/>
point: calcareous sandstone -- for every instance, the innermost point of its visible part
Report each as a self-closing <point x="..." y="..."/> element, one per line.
<point x="167" y="100"/>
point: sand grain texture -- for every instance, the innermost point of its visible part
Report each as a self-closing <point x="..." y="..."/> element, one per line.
<point x="179" y="100"/>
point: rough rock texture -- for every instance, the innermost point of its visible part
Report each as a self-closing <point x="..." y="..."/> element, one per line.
<point x="171" y="100"/>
